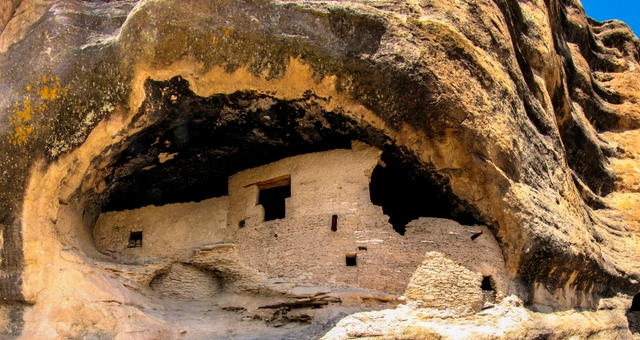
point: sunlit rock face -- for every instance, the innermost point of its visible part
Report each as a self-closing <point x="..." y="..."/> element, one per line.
<point x="265" y="169"/>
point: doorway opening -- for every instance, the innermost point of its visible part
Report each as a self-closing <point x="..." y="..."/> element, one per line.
<point x="488" y="290"/>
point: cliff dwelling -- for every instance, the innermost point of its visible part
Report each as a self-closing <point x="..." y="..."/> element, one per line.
<point x="282" y="170"/>
<point x="303" y="228"/>
<point x="274" y="216"/>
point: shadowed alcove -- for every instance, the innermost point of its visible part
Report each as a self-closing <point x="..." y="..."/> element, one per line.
<point x="194" y="144"/>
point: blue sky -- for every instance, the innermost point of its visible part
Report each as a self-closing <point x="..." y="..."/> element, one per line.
<point x="625" y="10"/>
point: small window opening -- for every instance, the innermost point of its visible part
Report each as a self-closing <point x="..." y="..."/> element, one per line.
<point x="633" y="316"/>
<point x="135" y="239"/>
<point x="476" y="235"/>
<point x="486" y="283"/>
<point x="334" y="223"/>
<point x="351" y="259"/>
<point x="272" y="196"/>
<point x="362" y="248"/>
<point x="488" y="291"/>
<point x="241" y="224"/>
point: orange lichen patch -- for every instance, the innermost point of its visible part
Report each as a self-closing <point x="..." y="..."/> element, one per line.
<point x="51" y="88"/>
<point x="227" y="31"/>
<point x="49" y="93"/>
<point x="20" y="118"/>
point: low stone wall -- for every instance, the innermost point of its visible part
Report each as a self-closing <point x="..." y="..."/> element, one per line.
<point x="307" y="251"/>
<point x="185" y="281"/>
<point x="444" y="286"/>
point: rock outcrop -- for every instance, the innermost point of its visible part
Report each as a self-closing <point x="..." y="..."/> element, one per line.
<point x="523" y="116"/>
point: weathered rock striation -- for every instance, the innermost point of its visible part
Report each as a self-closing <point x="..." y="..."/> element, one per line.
<point x="520" y="118"/>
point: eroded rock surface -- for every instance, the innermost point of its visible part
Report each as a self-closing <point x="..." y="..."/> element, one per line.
<point x="511" y="127"/>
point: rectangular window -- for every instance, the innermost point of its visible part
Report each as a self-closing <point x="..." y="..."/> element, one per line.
<point x="352" y="259"/>
<point x="135" y="239"/>
<point x="272" y="196"/>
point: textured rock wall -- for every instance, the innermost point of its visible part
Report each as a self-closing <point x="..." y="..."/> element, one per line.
<point x="524" y="112"/>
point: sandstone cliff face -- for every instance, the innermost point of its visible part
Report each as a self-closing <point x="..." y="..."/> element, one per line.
<point x="523" y="114"/>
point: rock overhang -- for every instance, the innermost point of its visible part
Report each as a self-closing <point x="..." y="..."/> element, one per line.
<point x="388" y="85"/>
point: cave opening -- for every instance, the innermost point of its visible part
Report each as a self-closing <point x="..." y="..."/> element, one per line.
<point x="193" y="144"/>
<point x="406" y="191"/>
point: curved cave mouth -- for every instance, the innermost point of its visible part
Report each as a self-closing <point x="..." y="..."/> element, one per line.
<point x="407" y="190"/>
<point x="191" y="145"/>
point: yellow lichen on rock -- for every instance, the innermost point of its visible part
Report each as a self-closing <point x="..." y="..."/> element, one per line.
<point x="51" y="89"/>
<point x="20" y="121"/>
<point x="22" y="114"/>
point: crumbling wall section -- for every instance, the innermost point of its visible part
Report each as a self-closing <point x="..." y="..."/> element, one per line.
<point x="303" y="248"/>
<point x="473" y="247"/>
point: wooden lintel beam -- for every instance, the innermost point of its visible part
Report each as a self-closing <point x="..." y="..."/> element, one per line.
<point x="272" y="183"/>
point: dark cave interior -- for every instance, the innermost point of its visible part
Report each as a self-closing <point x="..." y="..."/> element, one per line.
<point x="194" y="144"/>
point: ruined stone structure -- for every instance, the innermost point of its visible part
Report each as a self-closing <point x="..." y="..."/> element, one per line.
<point x="364" y="252"/>
<point x="299" y="170"/>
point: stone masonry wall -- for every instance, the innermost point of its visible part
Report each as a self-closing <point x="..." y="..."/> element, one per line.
<point x="170" y="232"/>
<point x="442" y="285"/>
<point x="302" y="248"/>
<point x="330" y="182"/>
<point x="185" y="281"/>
